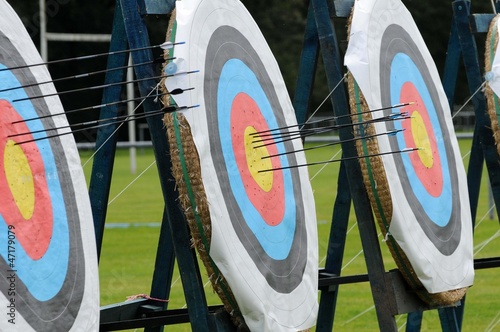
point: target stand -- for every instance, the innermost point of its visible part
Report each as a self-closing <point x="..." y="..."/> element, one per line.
<point x="461" y="47"/>
<point x="390" y="293"/>
<point x="130" y="31"/>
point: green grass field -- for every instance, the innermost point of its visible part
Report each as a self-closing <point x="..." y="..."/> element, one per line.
<point x="128" y="253"/>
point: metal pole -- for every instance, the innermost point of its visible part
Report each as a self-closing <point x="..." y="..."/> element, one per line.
<point x="43" y="32"/>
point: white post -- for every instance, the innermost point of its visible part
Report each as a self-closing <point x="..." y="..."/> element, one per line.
<point x="43" y="32"/>
<point x="131" y="124"/>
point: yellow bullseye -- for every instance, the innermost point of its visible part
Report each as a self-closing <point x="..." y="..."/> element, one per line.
<point x="421" y="139"/>
<point x="255" y="162"/>
<point x="19" y="178"/>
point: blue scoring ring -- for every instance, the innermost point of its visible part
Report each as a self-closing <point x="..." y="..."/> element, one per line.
<point x="277" y="240"/>
<point x="438" y="209"/>
<point x="398" y="49"/>
<point x="283" y="268"/>
<point x="44" y="277"/>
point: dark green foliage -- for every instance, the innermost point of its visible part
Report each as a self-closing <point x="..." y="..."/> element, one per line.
<point x="282" y="23"/>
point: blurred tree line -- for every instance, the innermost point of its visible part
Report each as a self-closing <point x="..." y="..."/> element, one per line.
<point x="282" y="23"/>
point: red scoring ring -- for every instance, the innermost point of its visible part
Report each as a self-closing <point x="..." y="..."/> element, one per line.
<point x="431" y="178"/>
<point x="244" y="113"/>
<point x="35" y="233"/>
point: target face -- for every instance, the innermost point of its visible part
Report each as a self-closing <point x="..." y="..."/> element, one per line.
<point x="267" y="217"/>
<point x="426" y="173"/>
<point x="45" y="272"/>
<point x="431" y="219"/>
<point x="492" y="76"/>
<point x="264" y="230"/>
<point x="492" y="61"/>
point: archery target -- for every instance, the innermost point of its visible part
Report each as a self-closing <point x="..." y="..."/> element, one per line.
<point x="48" y="261"/>
<point x="430" y="216"/>
<point x="492" y="76"/>
<point x="264" y="237"/>
<point x="426" y="173"/>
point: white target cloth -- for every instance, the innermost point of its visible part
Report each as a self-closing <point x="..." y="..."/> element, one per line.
<point x="48" y="261"/>
<point x="493" y="76"/>
<point x="431" y="215"/>
<point x="264" y="237"/>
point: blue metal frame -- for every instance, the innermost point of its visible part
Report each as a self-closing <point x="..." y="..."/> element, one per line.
<point x="307" y="66"/>
<point x="102" y="168"/>
<point x="324" y="11"/>
<point x="462" y="43"/>
<point x="462" y="46"/>
<point x="156" y="7"/>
